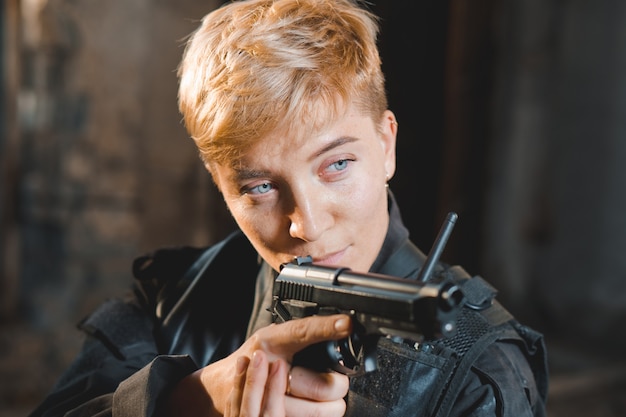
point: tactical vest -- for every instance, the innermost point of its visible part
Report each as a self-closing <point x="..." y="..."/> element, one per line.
<point x="415" y="380"/>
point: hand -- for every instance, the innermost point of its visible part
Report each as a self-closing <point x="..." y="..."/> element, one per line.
<point x="254" y="379"/>
<point x="272" y="389"/>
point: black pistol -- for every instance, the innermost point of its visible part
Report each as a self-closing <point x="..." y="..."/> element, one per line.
<point x="380" y="306"/>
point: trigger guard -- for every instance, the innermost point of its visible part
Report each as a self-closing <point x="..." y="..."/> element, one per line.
<point x="354" y="356"/>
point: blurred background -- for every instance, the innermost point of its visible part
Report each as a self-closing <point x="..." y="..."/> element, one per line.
<point x="512" y="113"/>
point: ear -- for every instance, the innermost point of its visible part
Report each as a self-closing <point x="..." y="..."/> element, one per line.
<point x="389" y="131"/>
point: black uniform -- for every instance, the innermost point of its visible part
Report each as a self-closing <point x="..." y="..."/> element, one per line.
<point x="193" y="306"/>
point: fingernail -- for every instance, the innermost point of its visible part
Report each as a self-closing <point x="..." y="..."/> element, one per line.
<point x="256" y="359"/>
<point x="342" y="324"/>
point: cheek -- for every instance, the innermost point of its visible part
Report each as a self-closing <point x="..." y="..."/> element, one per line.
<point x="249" y="223"/>
<point x="367" y="198"/>
<point x="262" y="228"/>
<point x="243" y="220"/>
<point x="368" y="215"/>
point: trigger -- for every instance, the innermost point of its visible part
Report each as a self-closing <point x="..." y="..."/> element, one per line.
<point x="357" y="355"/>
<point x="370" y="362"/>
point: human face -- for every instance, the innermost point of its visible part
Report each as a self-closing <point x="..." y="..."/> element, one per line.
<point x="321" y="194"/>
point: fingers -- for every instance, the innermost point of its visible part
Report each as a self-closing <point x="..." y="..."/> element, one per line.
<point x="260" y="388"/>
<point x="253" y="378"/>
<point x="261" y="371"/>
<point x="312" y="393"/>
<point x="294" y="335"/>
<point x="316" y="394"/>
<point x="298" y="407"/>
<point x="235" y="398"/>
<point x="324" y="386"/>
<point x="276" y="389"/>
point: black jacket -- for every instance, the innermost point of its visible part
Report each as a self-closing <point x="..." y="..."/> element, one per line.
<point x="191" y="306"/>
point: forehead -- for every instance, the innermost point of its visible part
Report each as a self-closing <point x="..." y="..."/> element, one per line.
<point x="291" y="136"/>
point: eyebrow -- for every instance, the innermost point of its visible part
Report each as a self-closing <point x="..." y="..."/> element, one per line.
<point x="334" y="144"/>
<point x="242" y="173"/>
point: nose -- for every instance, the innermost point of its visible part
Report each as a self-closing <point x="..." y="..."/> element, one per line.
<point x="309" y="216"/>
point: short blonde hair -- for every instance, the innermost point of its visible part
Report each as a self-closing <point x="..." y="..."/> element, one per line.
<point x="254" y="66"/>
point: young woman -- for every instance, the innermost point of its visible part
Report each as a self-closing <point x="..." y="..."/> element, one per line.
<point x="285" y="100"/>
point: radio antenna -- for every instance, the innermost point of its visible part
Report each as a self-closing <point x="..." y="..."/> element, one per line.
<point x="438" y="246"/>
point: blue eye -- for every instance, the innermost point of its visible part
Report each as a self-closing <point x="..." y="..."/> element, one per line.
<point x="261" y="189"/>
<point x="339" y="165"/>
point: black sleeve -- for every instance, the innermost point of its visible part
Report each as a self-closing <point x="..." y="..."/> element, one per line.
<point x="505" y="369"/>
<point x="500" y="384"/>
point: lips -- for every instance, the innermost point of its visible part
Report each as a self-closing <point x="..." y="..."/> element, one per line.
<point x="333" y="259"/>
<point x="329" y="259"/>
